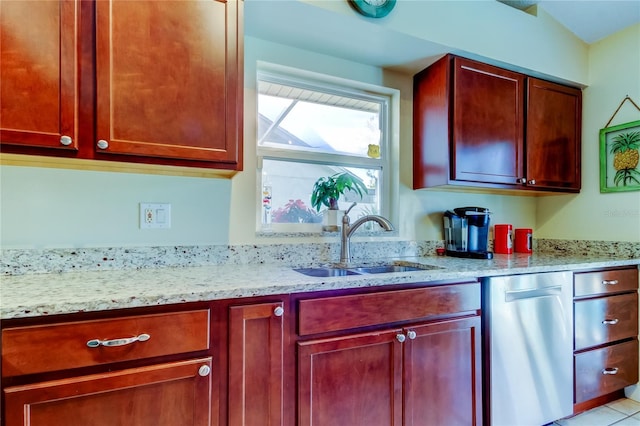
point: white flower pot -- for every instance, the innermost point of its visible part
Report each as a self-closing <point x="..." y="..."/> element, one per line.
<point x="332" y="220"/>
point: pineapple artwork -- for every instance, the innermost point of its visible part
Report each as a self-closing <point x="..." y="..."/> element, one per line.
<point x="626" y="150"/>
<point x="620" y="158"/>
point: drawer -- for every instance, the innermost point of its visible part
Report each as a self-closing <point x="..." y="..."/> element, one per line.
<point x="52" y="347"/>
<point x="602" y="371"/>
<point x="328" y="314"/>
<point x="605" y="319"/>
<point x="604" y="282"/>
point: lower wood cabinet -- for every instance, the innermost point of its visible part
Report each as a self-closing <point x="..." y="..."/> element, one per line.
<point x="159" y="395"/>
<point x="422" y="368"/>
<point x="606" y="334"/>
<point x="442" y="374"/>
<point x="406" y="355"/>
<point x="149" y="369"/>
<point x="256" y="370"/>
<point x="351" y="380"/>
<point x="424" y="374"/>
<point x="605" y="370"/>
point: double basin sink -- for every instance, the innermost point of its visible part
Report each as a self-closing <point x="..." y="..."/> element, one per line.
<point x="340" y="271"/>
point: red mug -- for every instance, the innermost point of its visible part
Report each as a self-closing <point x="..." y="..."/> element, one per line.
<point x="524" y="237"/>
<point x="503" y="239"/>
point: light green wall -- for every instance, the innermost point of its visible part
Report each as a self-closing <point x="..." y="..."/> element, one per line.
<point x="534" y="42"/>
<point x="614" y="72"/>
<point x="70" y="208"/>
<point x="55" y="208"/>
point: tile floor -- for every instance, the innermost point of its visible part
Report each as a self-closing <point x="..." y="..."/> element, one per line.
<point x="623" y="412"/>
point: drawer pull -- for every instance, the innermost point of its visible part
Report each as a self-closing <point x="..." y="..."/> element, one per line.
<point x="118" y="342"/>
<point x="610" y="321"/>
<point x="279" y="311"/>
<point x="610" y="370"/>
<point x="609" y="282"/>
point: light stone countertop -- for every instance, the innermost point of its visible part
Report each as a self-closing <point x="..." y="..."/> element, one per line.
<point x="71" y="292"/>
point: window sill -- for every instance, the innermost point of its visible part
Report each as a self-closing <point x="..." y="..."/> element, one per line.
<point x="358" y="233"/>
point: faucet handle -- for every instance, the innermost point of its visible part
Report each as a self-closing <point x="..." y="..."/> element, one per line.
<point x="350" y="207"/>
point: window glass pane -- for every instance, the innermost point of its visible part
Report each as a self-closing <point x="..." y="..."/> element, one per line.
<point x="315" y="127"/>
<point x="287" y="187"/>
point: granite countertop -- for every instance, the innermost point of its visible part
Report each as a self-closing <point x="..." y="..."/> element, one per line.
<point x="72" y="292"/>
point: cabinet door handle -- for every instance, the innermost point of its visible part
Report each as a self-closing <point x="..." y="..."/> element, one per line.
<point x="279" y="311"/>
<point x="610" y="321"/>
<point x="401" y="337"/>
<point x="610" y="371"/>
<point x="609" y="282"/>
<point x="118" y="342"/>
<point x="204" y="370"/>
<point x="411" y="334"/>
<point x="521" y="180"/>
<point x="102" y="144"/>
<point x="66" y="140"/>
<point x="532" y="182"/>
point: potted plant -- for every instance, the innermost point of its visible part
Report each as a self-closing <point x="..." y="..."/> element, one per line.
<point x="327" y="190"/>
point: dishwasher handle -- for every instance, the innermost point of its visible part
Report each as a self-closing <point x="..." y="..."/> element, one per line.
<point x="531" y="293"/>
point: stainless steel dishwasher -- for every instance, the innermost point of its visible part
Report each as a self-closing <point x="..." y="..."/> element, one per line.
<point x="528" y="322"/>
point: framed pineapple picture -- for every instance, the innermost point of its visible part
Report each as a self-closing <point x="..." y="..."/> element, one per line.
<point x="619" y="158"/>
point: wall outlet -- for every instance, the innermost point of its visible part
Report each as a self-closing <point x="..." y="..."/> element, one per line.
<point x="155" y="215"/>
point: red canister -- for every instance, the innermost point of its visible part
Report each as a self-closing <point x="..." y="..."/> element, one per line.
<point x="524" y="238"/>
<point x="503" y="239"/>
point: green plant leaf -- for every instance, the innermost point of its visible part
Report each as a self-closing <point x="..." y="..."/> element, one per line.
<point x="332" y="187"/>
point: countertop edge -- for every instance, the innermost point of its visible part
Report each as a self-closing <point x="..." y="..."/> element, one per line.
<point x="68" y="293"/>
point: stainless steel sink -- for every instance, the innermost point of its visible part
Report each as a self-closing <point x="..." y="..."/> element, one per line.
<point x="382" y="269"/>
<point x="326" y="272"/>
<point x="340" y="271"/>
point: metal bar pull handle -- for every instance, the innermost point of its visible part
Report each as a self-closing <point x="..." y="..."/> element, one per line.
<point x="118" y="342"/>
<point x="610" y="321"/>
<point x="610" y="371"/>
<point x="609" y="282"/>
<point x="512" y="295"/>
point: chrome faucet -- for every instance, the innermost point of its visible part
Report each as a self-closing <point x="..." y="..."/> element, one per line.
<point x="348" y="230"/>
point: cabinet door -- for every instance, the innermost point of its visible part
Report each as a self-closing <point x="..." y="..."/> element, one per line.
<point x="488" y="126"/>
<point x="256" y="354"/>
<point x="553" y="137"/>
<point x="38" y="86"/>
<point x="352" y="380"/>
<point x="168" y="79"/>
<point x="161" y="395"/>
<point x="442" y="367"/>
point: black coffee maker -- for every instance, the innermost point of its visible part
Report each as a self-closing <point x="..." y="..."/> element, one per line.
<point x="466" y="232"/>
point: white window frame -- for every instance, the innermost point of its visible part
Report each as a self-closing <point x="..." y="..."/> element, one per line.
<point x="338" y="87"/>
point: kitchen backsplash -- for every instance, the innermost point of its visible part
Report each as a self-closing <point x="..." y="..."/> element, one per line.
<point x="31" y="261"/>
<point x="19" y="262"/>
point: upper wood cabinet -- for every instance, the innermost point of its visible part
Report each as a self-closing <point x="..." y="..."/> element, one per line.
<point x="488" y="123"/>
<point x="168" y="79"/>
<point x="479" y="125"/>
<point x="38" y="71"/>
<point x="155" y="82"/>
<point x="553" y="138"/>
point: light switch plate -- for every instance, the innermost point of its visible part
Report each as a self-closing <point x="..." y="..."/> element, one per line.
<point x="155" y="215"/>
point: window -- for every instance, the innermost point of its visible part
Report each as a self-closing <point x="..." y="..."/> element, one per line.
<point x="309" y="129"/>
